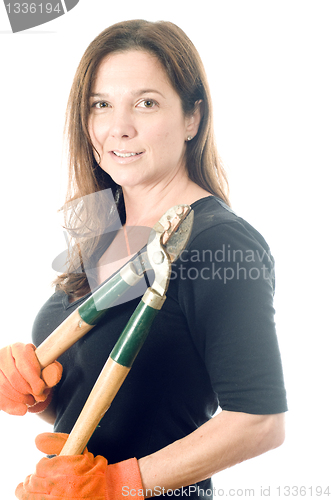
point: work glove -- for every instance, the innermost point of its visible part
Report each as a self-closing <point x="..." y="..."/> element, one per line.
<point x="79" y="476"/>
<point x="23" y="385"/>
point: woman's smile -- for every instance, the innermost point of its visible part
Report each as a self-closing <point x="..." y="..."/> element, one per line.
<point x="124" y="157"/>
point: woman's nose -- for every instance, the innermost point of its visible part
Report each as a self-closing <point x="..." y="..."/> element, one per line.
<point x="122" y="125"/>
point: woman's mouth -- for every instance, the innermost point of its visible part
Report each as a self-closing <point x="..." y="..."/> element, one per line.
<point x="125" y="156"/>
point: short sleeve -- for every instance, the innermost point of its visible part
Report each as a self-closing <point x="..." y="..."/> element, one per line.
<point x="226" y="289"/>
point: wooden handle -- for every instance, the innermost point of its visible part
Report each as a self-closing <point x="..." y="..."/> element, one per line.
<point x="114" y="372"/>
<point x="63" y="337"/>
<point x="98" y="402"/>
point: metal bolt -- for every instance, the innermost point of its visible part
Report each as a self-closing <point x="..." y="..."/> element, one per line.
<point x="158" y="257"/>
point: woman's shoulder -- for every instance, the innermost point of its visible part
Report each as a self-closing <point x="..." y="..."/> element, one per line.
<point x="216" y="223"/>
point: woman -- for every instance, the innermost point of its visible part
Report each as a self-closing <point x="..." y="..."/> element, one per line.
<point x="140" y="127"/>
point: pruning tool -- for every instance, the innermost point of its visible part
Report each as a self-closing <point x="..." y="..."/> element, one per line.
<point x="167" y="240"/>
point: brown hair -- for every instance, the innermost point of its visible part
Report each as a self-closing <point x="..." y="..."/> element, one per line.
<point x="185" y="70"/>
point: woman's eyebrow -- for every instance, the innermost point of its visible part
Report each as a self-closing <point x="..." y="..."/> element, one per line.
<point x="134" y="93"/>
<point x="101" y="96"/>
<point x="147" y="91"/>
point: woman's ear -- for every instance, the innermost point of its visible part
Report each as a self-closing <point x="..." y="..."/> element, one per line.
<point x="194" y="119"/>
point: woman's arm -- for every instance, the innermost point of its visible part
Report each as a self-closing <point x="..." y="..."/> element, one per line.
<point x="227" y="439"/>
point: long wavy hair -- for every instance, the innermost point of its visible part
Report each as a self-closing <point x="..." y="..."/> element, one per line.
<point x="186" y="73"/>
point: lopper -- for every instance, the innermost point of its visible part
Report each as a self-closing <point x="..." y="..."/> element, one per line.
<point x="167" y="240"/>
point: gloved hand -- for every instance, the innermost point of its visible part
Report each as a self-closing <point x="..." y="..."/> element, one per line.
<point x="78" y="476"/>
<point x="22" y="383"/>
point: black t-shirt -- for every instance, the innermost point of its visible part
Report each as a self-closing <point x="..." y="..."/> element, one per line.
<point x="212" y="344"/>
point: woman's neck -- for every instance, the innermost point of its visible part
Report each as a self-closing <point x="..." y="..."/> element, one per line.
<point x="144" y="207"/>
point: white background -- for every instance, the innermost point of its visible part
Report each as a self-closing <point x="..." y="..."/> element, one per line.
<point x="269" y="67"/>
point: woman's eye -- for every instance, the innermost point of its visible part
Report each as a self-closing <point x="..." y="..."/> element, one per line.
<point x="100" y="105"/>
<point x="147" y="103"/>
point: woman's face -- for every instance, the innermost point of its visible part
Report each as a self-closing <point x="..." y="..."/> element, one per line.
<point x="136" y="121"/>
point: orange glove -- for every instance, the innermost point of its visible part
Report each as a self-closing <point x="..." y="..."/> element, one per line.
<point x="78" y="476"/>
<point x="23" y="386"/>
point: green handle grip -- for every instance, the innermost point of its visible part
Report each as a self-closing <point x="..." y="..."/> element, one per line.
<point x="137" y="329"/>
<point x="102" y="299"/>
